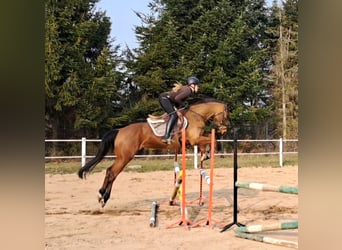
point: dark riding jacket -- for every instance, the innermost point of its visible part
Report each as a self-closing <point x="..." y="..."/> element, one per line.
<point x="178" y="98"/>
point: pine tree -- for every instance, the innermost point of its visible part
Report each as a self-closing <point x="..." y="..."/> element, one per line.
<point x="80" y="69"/>
<point x="221" y="42"/>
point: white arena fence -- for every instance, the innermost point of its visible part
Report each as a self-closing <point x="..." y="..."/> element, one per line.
<point x="281" y="142"/>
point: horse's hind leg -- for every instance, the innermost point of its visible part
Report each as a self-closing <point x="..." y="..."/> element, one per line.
<point x="108" y="178"/>
<point x="126" y="145"/>
<point x="111" y="173"/>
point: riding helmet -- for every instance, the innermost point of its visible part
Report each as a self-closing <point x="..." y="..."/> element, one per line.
<point x="193" y="80"/>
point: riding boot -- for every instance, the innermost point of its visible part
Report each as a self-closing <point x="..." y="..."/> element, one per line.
<point x="169" y="127"/>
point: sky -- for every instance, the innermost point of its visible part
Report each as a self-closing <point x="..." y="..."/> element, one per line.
<point x="124" y="20"/>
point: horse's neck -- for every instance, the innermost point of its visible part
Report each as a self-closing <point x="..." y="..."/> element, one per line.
<point x="204" y="111"/>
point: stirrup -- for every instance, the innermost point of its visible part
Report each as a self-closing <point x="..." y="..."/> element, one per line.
<point x="167" y="141"/>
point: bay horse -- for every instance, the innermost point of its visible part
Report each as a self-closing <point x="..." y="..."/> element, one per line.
<point x="127" y="141"/>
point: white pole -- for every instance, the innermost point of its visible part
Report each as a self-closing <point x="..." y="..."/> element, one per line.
<point x="83" y="151"/>
<point x="281" y="152"/>
<point x="195" y="156"/>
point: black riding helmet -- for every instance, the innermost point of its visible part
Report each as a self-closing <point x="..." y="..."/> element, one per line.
<point x="193" y="80"/>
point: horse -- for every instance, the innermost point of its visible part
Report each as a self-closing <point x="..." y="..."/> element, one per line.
<point x="128" y="140"/>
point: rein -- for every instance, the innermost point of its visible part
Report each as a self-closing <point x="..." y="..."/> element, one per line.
<point x="203" y="118"/>
<point x="213" y="116"/>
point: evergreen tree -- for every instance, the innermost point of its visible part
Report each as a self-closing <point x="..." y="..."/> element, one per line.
<point x="243" y="53"/>
<point x="221" y="42"/>
<point x="80" y="69"/>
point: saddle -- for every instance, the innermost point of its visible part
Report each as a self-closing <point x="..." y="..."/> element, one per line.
<point x="158" y="123"/>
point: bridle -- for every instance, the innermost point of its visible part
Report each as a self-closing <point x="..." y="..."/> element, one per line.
<point x="224" y="113"/>
<point x="223" y="123"/>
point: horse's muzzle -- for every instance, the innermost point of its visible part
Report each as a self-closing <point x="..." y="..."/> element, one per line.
<point x="222" y="129"/>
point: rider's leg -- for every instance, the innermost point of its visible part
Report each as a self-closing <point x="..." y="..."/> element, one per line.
<point x="172" y="121"/>
<point x="169" y="108"/>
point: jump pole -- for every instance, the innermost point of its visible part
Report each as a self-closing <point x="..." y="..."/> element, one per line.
<point x="176" y="168"/>
<point x="266" y="239"/>
<point x="267" y="187"/>
<point x="176" y="181"/>
<point x="201" y="200"/>
<point x="235" y="188"/>
<point x="270" y="227"/>
<point x="249" y="232"/>
<point x="195" y="156"/>
<point x="209" y="221"/>
<point x="153" y="216"/>
<point x="184" y="219"/>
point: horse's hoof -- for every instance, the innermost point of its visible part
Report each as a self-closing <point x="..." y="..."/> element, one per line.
<point x="102" y="203"/>
<point x="101" y="200"/>
<point x="205" y="157"/>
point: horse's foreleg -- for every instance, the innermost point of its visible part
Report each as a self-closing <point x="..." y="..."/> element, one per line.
<point x="205" y="152"/>
<point x="204" y="143"/>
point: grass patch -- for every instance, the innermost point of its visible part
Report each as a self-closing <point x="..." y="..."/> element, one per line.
<point x="166" y="164"/>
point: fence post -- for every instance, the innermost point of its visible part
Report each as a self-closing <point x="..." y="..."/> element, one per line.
<point x="281" y="152"/>
<point x="84" y="153"/>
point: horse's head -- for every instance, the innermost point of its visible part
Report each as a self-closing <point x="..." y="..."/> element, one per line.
<point x="210" y="109"/>
<point x="221" y="119"/>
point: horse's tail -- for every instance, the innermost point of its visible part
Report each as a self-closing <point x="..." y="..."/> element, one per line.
<point x="107" y="143"/>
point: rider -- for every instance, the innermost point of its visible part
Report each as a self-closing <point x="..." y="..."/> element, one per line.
<point x="175" y="99"/>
